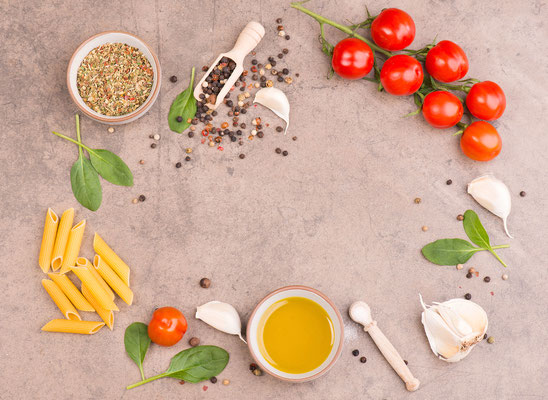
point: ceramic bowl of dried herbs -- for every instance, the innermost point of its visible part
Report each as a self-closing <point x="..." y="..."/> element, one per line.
<point x="114" y="77"/>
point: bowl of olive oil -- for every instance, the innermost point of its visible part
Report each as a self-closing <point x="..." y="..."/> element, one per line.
<point x="295" y="333"/>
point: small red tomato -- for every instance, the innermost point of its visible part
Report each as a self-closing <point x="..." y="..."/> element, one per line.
<point x="446" y="62"/>
<point x="393" y="29"/>
<point x="401" y="75"/>
<point x="486" y="100"/>
<point x="481" y="141"/>
<point x="352" y="58"/>
<point x="167" y="326"/>
<point x="442" y="109"/>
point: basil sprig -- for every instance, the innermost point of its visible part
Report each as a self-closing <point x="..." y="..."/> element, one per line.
<point x="136" y="341"/>
<point x="458" y="251"/>
<point x="193" y="365"/>
<point x="84" y="174"/>
<point x="183" y="108"/>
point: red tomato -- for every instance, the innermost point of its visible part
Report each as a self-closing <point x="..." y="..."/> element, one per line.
<point x="352" y="58"/>
<point x="167" y="326"/>
<point x="446" y="62"/>
<point x="393" y="29"/>
<point x="481" y="141"/>
<point x="442" y="109"/>
<point x="401" y="75"/>
<point x="486" y="100"/>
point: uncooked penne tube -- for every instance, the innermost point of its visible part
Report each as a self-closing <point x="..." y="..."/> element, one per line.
<point x="59" y="298"/>
<point x="67" y="326"/>
<point x="87" y="278"/>
<point x="112" y="259"/>
<point x="48" y="240"/>
<point x="61" y="239"/>
<point x="84" y="262"/>
<point x="106" y="315"/>
<point x="112" y="279"/>
<point x="73" y="246"/>
<point x="71" y="291"/>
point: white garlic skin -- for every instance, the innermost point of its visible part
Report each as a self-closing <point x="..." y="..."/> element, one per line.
<point x="492" y="194"/>
<point x="453" y="327"/>
<point x="276" y="100"/>
<point x="221" y="316"/>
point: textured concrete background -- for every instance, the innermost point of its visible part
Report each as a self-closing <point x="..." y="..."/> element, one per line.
<point x="336" y="214"/>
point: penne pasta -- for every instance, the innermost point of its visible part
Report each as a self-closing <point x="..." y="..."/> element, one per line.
<point x="59" y="298"/>
<point x="112" y="259"/>
<point x="73" y="246"/>
<point x="112" y="279"/>
<point x="97" y="291"/>
<point x="106" y="315"/>
<point x="67" y="326"/>
<point x="61" y="239"/>
<point x="84" y="262"/>
<point x="48" y="240"/>
<point x="71" y="291"/>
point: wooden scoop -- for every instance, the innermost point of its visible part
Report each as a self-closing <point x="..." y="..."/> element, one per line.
<point x="361" y="313"/>
<point x="247" y="41"/>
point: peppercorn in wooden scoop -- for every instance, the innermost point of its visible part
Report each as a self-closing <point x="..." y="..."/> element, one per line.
<point x="228" y="67"/>
<point x="361" y="313"/>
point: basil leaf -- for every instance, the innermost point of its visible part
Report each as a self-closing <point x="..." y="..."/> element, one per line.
<point x="475" y="230"/>
<point x="136" y="341"/>
<point x="85" y="184"/>
<point x="111" y="167"/>
<point x="198" y="363"/>
<point x="449" y="251"/>
<point x="183" y="106"/>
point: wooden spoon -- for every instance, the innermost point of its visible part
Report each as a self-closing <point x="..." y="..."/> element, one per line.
<point x="361" y="313"/>
<point x="247" y="41"/>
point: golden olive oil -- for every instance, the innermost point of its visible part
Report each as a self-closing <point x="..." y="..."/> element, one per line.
<point x="295" y="335"/>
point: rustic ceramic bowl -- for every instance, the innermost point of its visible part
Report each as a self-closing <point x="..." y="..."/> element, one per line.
<point x="113" y="37"/>
<point x="295" y="291"/>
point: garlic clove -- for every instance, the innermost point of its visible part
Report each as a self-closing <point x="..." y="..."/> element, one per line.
<point x="276" y="100"/>
<point x="443" y="341"/>
<point x="221" y="316"/>
<point x="472" y="313"/>
<point x="454" y="321"/>
<point x="492" y="194"/>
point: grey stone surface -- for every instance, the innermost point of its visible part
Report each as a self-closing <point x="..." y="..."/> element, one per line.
<point x="336" y="214"/>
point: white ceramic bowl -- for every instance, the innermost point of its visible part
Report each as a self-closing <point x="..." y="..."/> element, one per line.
<point x="295" y="291"/>
<point x="113" y="37"/>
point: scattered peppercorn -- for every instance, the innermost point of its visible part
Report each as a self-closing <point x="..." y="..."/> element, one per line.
<point x="485" y="336"/>
<point x="424" y="228"/>
<point x="287" y="37"/>
<point x="363" y="360"/>
<point x="418" y="200"/>
<point x="449" y="181"/>
<point x="279" y="151"/>
<point x="179" y="119"/>
<point x="194" y="341"/>
<point x="242" y="156"/>
<point x="134" y="201"/>
<point x="355" y="353"/>
<point x="490" y="340"/>
<point x="153" y="145"/>
<point x="181" y="382"/>
<point x="279" y="129"/>
<point x="205" y="283"/>
<point x="213" y="379"/>
<point x="226" y="382"/>
<point x="110" y="130"/>
<point x="278" y="20"/>
<point x="285" y="51"/>
<point x="487" y="279"/>
<point x="469" y="275"/>
<point x="173" y="79"/>
<point x="190" y="134"/>
<point x="178" y="165"/>
<point x="471" y="270"/>
<point x="285" y="153"/>
<point x="280" y="55"/>
<point x="460" y="217"/>
<point x="142" y="197"/>
<point x="522" y="193"/>
<point x="142" y="162"/>
<point x="257" y="372"/>
<point x="467" y="296"/>
<point x="253" y="366"/>
<point x="294" y="138"/>
<point x="187" y="158"/>
<point x="460" y="266"/>
<point x="156" y="137"/>
<point x="504" y="277"/>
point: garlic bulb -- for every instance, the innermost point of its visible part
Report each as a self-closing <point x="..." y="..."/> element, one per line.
<point x="492" y="194"/>
<point x="453" y="327"/>
<point x="221" y="316"/>
<point x="275" y="100"/>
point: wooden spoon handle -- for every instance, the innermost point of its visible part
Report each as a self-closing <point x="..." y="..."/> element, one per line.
<point x="250" y="36"/>
<point x="393" y="357"/>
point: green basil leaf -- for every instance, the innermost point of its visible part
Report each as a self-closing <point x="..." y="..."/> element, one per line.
<point x="198" y="364"/>
<point x="183" y="106"/>
<point x="136" y="341"/>
<point x="449" y="251"/>
<point x="475" y="230"/>
<point x="85" y="184"/>
<point x="111" y="167"/>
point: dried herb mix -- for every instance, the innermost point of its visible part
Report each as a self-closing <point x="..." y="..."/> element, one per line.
<point x="115" y="79"/>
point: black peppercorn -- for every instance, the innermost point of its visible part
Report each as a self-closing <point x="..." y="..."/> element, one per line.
<point x="285" y="71"/>
<point x="449" y="181"/>
<point x="522" y="193"/>
<point x="142" y="197"/>
<point x="187" y="158"/>
<point x="254" y="62"/>
<point x="242" y="156"/>
<point x="178" y="165"/>
<point x="280" y="79"/>
<point x="363" y="360"/>
<point x="278" y="20"/>
<point x="190" y="134"/>
<point x="285" y="153"/>
<point x="279" y="129"/>
<point x="287" y="37"/>
<point x="279" y="151"/>
<point x="173" y="79"/>
<point x="260" y="134"/>
<point x="179" y="119"/>
<point x="355" y="353"/>
<point x="213" y="379"/>
<point x="467" y="296"/>
<point x="469" y="275"/>
<point x="205" y="283"/>
<point x="153" y="145"/>
<point x="487" y="279"/>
